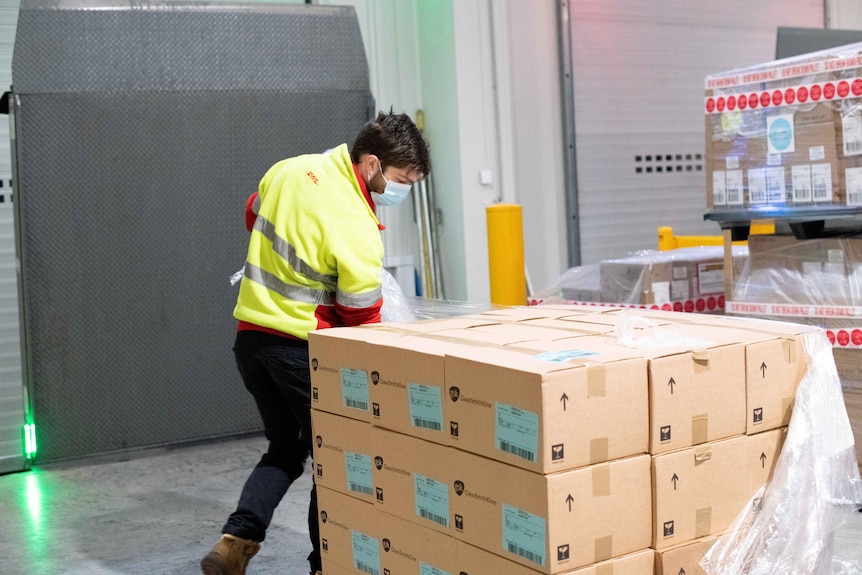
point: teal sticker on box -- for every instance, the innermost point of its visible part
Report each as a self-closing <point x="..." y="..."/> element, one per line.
<point x="524" y="534"/>
<point x="432" y="499"/>
<point x="425" y="569"/>
<point x="354" y="388"/>
<point x="426" y="407"/>
<point x="517" y="431"/>
<point x="366" y="553"/>
<point x="359" y="477"/>
<point x="561" y="356"/>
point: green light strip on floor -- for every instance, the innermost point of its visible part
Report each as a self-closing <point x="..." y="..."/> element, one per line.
<point x="29" y="440"/>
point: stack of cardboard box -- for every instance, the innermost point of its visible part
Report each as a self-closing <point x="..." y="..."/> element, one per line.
<point x="531" y="440"/>
<point x="787" y="132"/>
<point x="818" y="282"/>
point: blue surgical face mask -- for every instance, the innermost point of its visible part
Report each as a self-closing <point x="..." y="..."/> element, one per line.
<point x="393" y="194"/>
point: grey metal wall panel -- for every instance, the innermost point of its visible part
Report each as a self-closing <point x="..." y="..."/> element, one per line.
<point x="638" y="71"/>
<point x="132" y="185"/>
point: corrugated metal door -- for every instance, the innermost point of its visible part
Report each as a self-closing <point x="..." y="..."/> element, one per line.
<point x="11" y="386"/>
<point x="637" y="83"/>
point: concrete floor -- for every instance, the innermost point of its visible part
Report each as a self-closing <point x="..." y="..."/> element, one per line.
<point x="160" y="511"/>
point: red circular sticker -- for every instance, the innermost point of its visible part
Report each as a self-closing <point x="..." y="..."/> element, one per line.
<point x="742" y="102"/>
<point x="642" y="307"/>
<point x="777" y="97"/>
<point x="654" y="307"/>
<point x="843" y="337"/>
<point x="666" y="307"/>
<point x="789" y="95"/>
<point x="677" y="306"/>
<point x="689" y="306"/>
<point x="815" y="92"/>
<point x="721" y="301"/>
<point x="802" y="94"/>
<point x="857" y="87"/>
<point x="710" y="302"/>
<point x="731" y="103"/>
<point x="700" y="305"/>
<point x="710" y="105"/>
<point x="843" y="89"/>
<point x="830" y="335"/>
<point x="719" y="104"/>
<point x="764" y="99"/>
<point x="753" y="101"/>
<point x="829" y="91"/>
<point x="856" y="337"/>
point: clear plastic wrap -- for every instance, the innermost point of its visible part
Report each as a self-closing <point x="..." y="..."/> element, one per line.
<point x="400" y="308"/>
<point x="685" y="279"/>
<point x="788" y="527"/>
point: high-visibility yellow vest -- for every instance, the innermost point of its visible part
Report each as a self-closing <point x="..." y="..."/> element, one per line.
<point x="315" y="242"/>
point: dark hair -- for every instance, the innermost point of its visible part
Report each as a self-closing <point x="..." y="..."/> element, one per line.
<point x="396" y="140"/>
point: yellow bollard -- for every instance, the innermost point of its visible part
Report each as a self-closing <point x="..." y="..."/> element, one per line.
<point x="506" y="254"/>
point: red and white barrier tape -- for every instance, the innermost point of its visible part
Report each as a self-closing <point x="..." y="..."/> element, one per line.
<point x="699" y="305"/>
<point x="796" y="70"/>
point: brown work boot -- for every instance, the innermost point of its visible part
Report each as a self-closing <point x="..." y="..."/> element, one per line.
<point x="230" y="556"/>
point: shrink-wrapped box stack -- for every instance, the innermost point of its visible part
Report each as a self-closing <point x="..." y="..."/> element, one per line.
<point x="786" y="133"/>
<point x="543" y="439"/>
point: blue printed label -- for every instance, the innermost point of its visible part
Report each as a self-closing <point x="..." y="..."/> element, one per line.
<point x="425" y="569"/>
<point x="524" y="534"/>
<point x="432" y="499"/>
<point x="561" y="356"/>
<point x="779" y="130"/>
<point x="358" y="468"/>
<point x="517" y="431"/>
<point x="426" y="407"/>
<point x="354" y="388"/>
<point x="366" y="553"/>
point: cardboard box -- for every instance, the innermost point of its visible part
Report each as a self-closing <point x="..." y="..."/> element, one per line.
<point x="552" y="523"/>
<point x="775" y="362"/>
<point x="475" y="561"/>
<point x="407" y="388"/>
<point x="636" y="280"/>
<point x="347" y="532"/>
<point x="853" y="403"/>
<point x="343" y="460"/>
<point x="701" y="490"/>
<point x="339" y="369"/>
<point x="521" y="313"/>
<point x="412" y="479"/>
<point x="410" y="549"/>
<point x="331" y="568"/>
<point x="548" y="406"/>
<point x="696" y="384"/>
<point x="684" y="558"/>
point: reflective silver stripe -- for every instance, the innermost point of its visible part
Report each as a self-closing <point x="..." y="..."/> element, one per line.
<point x="287" y="251"/>
<point x="255" y="204"/>
<point x="296" y="293"/>
<point x="358" y="300"/>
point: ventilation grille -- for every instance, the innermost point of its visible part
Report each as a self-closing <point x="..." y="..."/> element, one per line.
<point x="668" y="163"/>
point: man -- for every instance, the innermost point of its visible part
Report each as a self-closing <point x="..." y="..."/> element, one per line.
<point x="314" y="261"/>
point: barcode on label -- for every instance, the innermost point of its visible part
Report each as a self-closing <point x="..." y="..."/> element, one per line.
<point x="536" y="558"/>
<point x="734" y="197"/>
<point x="519" y="451"/>
<point x="854" y="199"/>
<point x="430" y="515"/>
<point x="821" y="192"/>
<point x="360" y="488"/>
<point x="427" y="424"/>
<point x="852" y="147"/>
<point x="358" y="404"/>
<point x="371" y="570"/>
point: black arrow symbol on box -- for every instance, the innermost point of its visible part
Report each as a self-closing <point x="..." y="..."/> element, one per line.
<point x="763" y="369"/>
<point x="762" y="460"/>
<point x="564" y="399"/>
<point x="569" y="500"/>
<point x="675" y="479"/>
<point x="681" y="571"/>
<point x="671" y="383"/>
